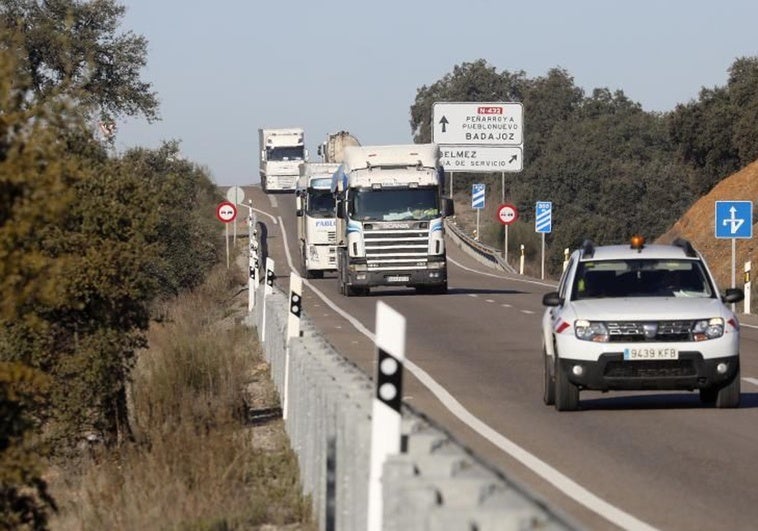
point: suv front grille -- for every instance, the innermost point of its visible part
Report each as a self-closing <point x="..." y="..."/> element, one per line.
<point x="651" y="369"/>
<point x="627" y="331"/>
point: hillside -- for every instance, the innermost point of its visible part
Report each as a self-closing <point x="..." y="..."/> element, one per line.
<point x="697" y="226"/>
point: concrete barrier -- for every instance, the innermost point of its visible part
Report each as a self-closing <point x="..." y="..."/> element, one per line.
<point x="434" y="484"/>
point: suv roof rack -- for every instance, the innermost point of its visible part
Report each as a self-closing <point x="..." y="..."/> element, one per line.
<point x="685" y="245"/>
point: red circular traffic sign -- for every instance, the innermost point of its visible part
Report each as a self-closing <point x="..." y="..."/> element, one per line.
<point x="226" y="211"/>
<point x="507" y="214"/>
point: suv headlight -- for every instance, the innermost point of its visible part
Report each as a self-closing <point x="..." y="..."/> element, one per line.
<point x="591" y="330"/>
<point x="708" y="329"/>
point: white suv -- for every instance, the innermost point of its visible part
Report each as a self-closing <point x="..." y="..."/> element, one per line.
<point x="640" y="317"/>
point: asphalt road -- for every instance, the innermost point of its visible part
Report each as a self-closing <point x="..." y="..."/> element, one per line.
<point x="625" y="460"/>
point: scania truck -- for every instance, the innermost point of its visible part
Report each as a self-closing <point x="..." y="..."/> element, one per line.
<point x="316" y="223"/>
<point x="390" y="218"/>
<point x="281" y="151"/>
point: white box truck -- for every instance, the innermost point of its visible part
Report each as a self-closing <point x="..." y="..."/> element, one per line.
<point x="316" y="222"/>
<point x="281" y="151"/>
<point x="390" y="218"/>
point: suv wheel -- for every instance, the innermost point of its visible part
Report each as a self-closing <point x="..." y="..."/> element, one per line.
<point x="548" y="394"/>
<point x="729" y="395"/>
<point x="566" y="393"/>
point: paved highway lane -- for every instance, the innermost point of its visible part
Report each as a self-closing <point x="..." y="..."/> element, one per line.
<point x="626" y="460"/>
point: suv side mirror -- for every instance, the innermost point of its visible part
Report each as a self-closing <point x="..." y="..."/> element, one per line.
<point x="552" y="299"/>
<point x="733" y="295"/>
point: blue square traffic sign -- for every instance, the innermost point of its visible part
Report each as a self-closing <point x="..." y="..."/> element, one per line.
<point x="477" y="196"/>
<point x="543" y="217"/>
<point x="734" y="219"/>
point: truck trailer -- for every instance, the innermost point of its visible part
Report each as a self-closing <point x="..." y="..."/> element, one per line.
<point x="390" y="218"/>
<point x="281" y="151"/>
<point x="316" y="222"/>
<point x="332" y="149"/>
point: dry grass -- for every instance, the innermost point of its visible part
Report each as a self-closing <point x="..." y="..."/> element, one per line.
<point x="196" y="462"/>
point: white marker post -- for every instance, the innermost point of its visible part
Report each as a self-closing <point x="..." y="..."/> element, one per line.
<point x="293" y="330"/>
<point x="268" y="290"/>
<point x="748" y="286"/>
<point x="385" y="416"/>
<point x="252" y="262"/>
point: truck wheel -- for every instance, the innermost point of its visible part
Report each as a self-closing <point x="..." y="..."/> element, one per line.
<point x="729" y="395"/>
<point x="548" y="393"/>
<point x="566" y="393"/>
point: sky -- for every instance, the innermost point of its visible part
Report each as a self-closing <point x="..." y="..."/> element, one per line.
<point x="224" y="69"/>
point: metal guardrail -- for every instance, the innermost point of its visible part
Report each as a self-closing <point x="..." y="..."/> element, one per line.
<point x="434" y="484"/>
<point x="483" y="253"/>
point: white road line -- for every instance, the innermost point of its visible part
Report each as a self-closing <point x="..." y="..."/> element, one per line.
<point x="753" y="381"/>
<point x="504" y="277"/>
<point x="560" y="481"/>
<point x="528" y="312"/>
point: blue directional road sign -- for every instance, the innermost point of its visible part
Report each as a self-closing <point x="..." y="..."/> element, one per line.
<point x="477" y="196"/>
<point x="543" y="217"/>
<point x="734" y="219"/>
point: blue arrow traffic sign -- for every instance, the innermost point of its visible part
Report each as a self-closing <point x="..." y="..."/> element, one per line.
<point x="477" y="196"/>
<point x="734" y="219"/>
<point x="543" y="217"/>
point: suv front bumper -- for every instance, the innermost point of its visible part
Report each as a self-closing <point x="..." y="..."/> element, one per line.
<point x="611" y="372"/>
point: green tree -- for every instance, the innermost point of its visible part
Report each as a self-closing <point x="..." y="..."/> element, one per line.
<point x="75" y="45"/>
<point x="24" y="498"/>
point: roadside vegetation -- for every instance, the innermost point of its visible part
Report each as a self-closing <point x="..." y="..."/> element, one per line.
<point x="609" y="167"/>
<point x="123" y="376"/>
<point x="196" y="461"/>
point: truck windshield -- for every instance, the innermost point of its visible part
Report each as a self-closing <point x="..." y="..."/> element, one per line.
<point x="320" y="204"/>
<point x="286" y="153"/>
<point x="394" y="204"/>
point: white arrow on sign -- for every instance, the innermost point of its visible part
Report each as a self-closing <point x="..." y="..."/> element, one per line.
<point x="735" y="222"/>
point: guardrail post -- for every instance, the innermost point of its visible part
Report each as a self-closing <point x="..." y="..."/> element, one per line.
<point x="521" y="261"/>
<point x="267" y="291"/>
<point x="293" y="330"/>
<point x="386" y="420"/>
<point x="565" y="258"/>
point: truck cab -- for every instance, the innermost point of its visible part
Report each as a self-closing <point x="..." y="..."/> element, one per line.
<point x="316" y="222"/>
<point x="390" y="219"/>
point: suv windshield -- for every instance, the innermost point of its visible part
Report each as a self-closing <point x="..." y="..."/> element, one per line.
<point x="641" y="278"/>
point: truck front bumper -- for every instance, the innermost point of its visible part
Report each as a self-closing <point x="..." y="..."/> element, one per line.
<point x="408" y="277"/>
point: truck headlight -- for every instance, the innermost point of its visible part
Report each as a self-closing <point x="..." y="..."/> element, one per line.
<point x="708" y="329"/>
<point x="591" y="331"/>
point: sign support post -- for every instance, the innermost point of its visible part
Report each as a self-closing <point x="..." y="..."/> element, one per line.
<point x="226" y="212"/>
<point x="734" y="219"/>
<point x="543" y="223"/>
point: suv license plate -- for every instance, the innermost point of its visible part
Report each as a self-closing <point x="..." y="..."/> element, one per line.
<point x="651" y="353"/>
<point x="398" y="278"/>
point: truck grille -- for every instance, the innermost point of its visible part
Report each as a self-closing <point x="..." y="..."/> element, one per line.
<point x="391" y="249"/>
<point x="626" y="331"/>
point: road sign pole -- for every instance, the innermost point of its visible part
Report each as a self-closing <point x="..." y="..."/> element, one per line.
<point x="505" y="247"/>
<point x="502" y="187"/>
<point x="543" y="256"/>
<point x="477" y="225"/>
<point x="226" y="227"/>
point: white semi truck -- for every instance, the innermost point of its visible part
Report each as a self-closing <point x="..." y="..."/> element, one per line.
<point x="316" y="223"/>
<point x="332" y="149"/>
<point x="390" y="218"/>
<point x="281" y="151"/>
